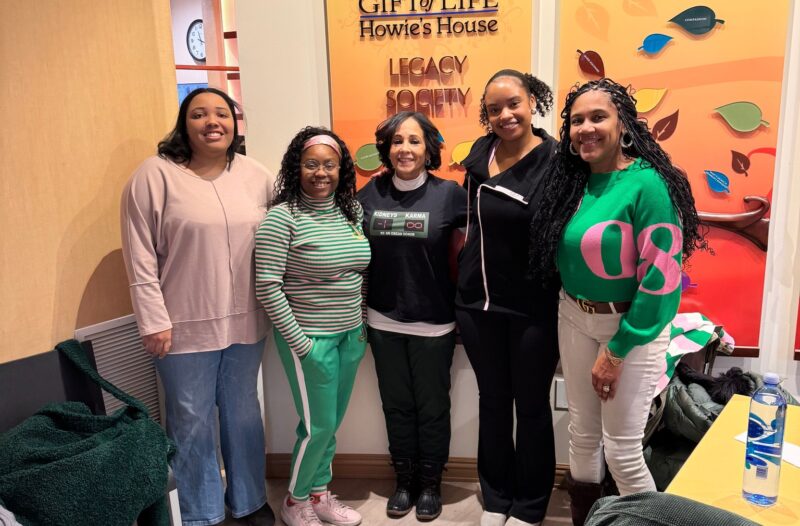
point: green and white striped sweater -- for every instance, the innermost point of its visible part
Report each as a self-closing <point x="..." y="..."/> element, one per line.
<point x="309" y="264"/>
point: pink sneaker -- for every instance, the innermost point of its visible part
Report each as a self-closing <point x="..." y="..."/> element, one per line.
<point x="299" y="514"/>
<point x="331" y="510"/>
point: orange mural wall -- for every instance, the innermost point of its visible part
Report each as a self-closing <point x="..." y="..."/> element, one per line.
<point x="432" y="56"/>
<point x="708" y="80"/>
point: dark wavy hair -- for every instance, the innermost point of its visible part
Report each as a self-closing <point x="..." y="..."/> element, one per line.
<point x="568" y="174"/>
<point x="386" y="130"/>
<point x="175" y="146"/>
<point x="541" y="93"/>
<point x="287" y="184"/>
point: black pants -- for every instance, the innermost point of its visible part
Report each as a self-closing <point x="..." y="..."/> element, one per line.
<point x="414" y="381"/>
<point x="514" y="358"/>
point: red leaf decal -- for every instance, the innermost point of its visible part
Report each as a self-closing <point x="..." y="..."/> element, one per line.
<point x="664" y="128"/>
<point x="767" y="150"/>
<point x="740" y="162"/>
<point x="591" y="63"/>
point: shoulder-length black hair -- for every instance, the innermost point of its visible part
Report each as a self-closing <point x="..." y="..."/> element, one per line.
<point x="568" y="174"/>
<point x="175" y="146"/>
<point x="386" y="130"/>
<point x="541" y="93"/>
<point x="287" y="184"/>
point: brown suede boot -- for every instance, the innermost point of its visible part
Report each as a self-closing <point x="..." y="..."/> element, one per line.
<point x="582" y="496"/>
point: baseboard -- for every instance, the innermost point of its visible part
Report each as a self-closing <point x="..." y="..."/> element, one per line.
<point x="371" y="466"/>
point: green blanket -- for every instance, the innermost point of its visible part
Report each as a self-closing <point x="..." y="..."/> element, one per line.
<point x="65" y="465"/>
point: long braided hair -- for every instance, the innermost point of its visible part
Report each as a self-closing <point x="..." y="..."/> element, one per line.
<point x="287" y="184"/>
<point x="568" y="174"/>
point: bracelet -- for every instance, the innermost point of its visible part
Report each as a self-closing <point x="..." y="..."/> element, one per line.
<point x="616" y="361"/>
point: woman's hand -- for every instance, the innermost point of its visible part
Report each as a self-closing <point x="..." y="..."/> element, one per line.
<point x="158" y="344"/>
<point x="604" y="373"/>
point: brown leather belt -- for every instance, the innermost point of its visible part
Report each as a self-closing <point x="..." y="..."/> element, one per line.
<point x="601" y="307"/>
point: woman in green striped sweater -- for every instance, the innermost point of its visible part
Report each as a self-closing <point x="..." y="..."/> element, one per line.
<point x="310" y="255"/>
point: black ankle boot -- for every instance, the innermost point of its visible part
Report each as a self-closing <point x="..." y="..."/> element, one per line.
<point x="582" y="495"/>
<point x="401" y="502"/>
<point x="429" y="503"/>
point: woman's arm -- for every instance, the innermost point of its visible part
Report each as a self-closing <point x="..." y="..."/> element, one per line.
<point x="273" y="239"/>
<point x="140" y="212"/>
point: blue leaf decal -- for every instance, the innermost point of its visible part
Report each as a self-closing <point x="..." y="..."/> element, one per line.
<point x="717" y="181"/>
<point x="654" y="43"/>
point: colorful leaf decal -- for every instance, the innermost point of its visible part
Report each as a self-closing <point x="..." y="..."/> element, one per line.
<point x="654" y="43"/>
<point x="460" y="152"/>
<point x="717" y="181"/>
<point x="648" y="98"/>
<point x="697" y="20"/>
<point x="367" y="157"/>
<point x="591" y="63"/>
<point x="639" y="7"/>
<point x="767" y="150"/>
<point x="740" y="162"/>
<point x="664" y="128"/>
<point x="593" y="18"/>
<point x="742" y="116"/>
<point x="686" y="282"/>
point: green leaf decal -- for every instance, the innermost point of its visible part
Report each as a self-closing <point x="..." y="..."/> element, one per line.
<point x="742" y="116"/>
<point x="367" y="157"/>
<point x="697" y="20"/>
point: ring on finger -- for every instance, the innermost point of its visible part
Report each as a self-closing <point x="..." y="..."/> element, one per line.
<point x="606" y="388"/>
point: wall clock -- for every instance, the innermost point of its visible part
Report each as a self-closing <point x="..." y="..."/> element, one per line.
<point x="196" y="41"/>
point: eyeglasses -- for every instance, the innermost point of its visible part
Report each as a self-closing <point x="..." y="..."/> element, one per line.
<point x="313" y="166"/>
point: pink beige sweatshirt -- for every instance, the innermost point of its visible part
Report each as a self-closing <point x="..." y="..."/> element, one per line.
<point x="188" y="245"/>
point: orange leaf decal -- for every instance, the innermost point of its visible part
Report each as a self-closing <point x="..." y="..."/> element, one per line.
<point x="591" y="63"/>
<point x="593" y="18"/>
<point x="664" y="128"/>
<point x="639" y="7"/>
<point x="740" y="162"/>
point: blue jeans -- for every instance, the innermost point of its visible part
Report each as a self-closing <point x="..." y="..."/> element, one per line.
<point x="194" y="385"/>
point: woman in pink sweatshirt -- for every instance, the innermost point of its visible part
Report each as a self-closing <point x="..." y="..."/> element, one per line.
<point x="189" y="216"/>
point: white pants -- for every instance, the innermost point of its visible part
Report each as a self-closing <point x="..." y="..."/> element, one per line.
<point x="615" y="426"/>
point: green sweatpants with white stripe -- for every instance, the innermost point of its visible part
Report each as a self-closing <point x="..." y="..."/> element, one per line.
<point x="321" y="384"/>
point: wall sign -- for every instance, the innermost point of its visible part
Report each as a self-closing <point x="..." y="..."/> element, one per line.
<point x="431" y="56"/>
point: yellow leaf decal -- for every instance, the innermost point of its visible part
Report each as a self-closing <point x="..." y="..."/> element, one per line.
<point x="460" y="152"/>
<point x="648" y="98"/>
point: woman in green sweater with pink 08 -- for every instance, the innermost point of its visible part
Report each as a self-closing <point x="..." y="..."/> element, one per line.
<point x="617" y="219"/>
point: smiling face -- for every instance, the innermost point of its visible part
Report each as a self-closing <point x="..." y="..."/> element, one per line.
<point x="319" y="171"/>
<point x="595" y="131"/>
<point x="508" y="108"/>
<point x="209" y="125"/>
<point x="407" y="152"/>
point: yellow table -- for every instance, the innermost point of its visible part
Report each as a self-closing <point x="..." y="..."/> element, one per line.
<point x="713" y="473"/>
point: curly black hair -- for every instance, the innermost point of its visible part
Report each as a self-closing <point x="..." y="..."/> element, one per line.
<point x="385" y="133"/>
<point x="541" y="92"/>
<point x="287" y="184"/>
<point x="175" y="146"/>
<point x="568" y="174"/>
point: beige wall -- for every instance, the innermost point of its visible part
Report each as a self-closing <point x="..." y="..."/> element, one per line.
<point x="87" y="89"/>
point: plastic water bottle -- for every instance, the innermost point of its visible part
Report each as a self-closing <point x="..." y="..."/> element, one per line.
<point x="762" y="465"/>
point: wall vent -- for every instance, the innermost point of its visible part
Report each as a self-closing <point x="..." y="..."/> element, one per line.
<point x="122" y="360"/>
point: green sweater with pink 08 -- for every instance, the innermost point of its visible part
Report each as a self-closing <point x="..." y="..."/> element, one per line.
<point x="624" y="244"/>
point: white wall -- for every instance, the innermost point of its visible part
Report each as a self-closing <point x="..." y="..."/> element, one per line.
<point x="285" y="87"/>
<point x="184" y="12"/>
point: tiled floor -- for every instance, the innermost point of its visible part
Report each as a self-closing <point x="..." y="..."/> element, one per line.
<point x="461" y="504"/>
